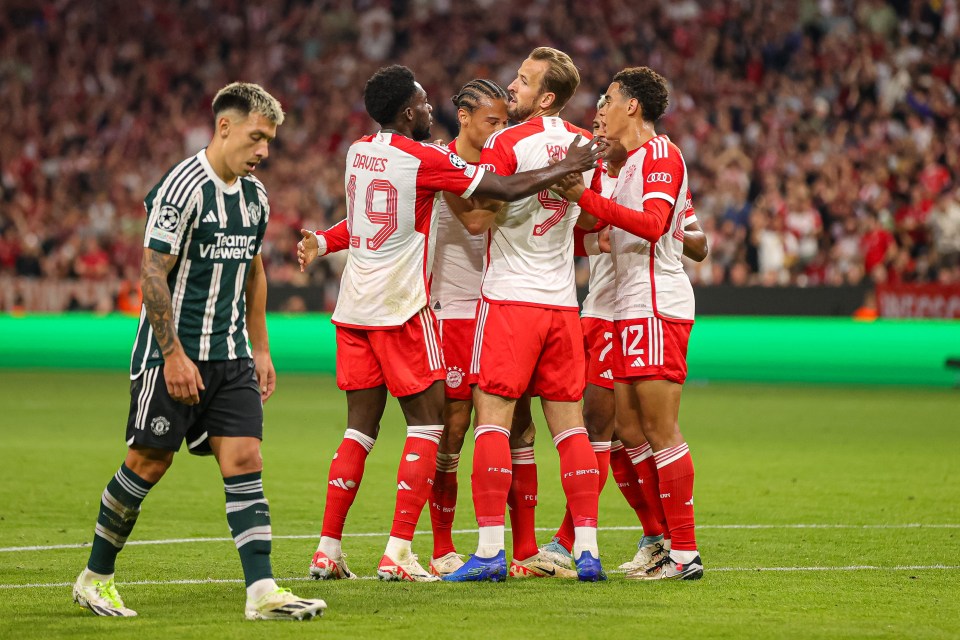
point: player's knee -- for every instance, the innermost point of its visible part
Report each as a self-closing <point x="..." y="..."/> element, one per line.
<point x="149" y="464"/>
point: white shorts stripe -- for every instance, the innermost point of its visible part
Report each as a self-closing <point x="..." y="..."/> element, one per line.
<point x="430" y="339"/>
<point x="146" y="395"/>
<point x="478" y="336"/>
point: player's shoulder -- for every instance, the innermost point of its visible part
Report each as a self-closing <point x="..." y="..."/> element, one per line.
<point x="178" y="183"/>
<point x="254" y="181"/>
<point x="513" y="134"/>
<point x="662" y="148"/>
<point x="572" y="128"/>
<point x="367" y="138"/>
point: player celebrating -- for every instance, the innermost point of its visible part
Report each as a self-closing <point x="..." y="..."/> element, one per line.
<point x="194" y="377"/>
<point x="528" y="332"/>
<point x="596" y="319"/>
<point x="654" y="306"/>
<point x="454" y="293"/>
<point x="387" y="335"/>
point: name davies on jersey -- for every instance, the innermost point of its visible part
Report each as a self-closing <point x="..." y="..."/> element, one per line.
<point x="229" y="247"/>
<point x="370" y="163"/>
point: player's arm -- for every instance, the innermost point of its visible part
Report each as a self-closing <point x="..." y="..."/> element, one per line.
<point x="521" y="185"/>
<point x="587" y="221"/>
<point x="256" y="294"/>
<point x="475" y="218"/>
<point x="321" y="243"/>
<point x="181" y="374"/>
<point x="695" y="242"/>
<point x="649" y="223"/>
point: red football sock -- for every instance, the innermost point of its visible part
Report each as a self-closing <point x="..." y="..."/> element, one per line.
<point x="626" y="478"/>
<point x="443" y="503"/>
<point x="675" y="468"/>
<point x="522" y="500"/>
<point x="343" y="481"/>
<point x="418" y="466"/>
<point x="565" y="534"/>
<point x="492" y="474"/>
<point x="651" y="511"/>
<point x="579" y="475"/>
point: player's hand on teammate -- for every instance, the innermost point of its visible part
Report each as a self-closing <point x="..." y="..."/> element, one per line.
<point x="184" y="383"/>
<point x="570" y="187"/>
<point x="603" y="239"/>
<point x="584" y="157"/>
<point x="266" y="374"/>
<point x="307" y="249"/>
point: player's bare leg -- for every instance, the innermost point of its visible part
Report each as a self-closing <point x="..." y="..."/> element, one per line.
<point x="579" y="475"/>
<point x="418" y="466"/>
<point x="659" y="410"/>
<point x="364" y="411"/>
<point x="443" y="496"/>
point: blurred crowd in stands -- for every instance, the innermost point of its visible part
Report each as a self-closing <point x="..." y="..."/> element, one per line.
<point x="822" y="136"/>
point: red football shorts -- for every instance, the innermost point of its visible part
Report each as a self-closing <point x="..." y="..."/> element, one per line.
<point x="456" y="336"/>
<point x="598" y="349"/>
<point x="408" y="358"/>
<point x="529" y="349"/>
<point x="651" y="349"/>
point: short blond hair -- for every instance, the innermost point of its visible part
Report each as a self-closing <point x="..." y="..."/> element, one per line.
<point x="561" y="78"/>
<point x="248" y="98"/>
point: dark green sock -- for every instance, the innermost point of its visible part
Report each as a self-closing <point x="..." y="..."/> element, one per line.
<point x="119" y="508"/>
<point x="248" y="515"/>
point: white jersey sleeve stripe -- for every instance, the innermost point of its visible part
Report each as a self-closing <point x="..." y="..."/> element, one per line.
<point x="661" y="195"/>
<point x="474" y="183"/>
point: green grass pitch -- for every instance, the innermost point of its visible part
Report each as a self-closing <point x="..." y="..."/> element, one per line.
<point x="823" y="513"/>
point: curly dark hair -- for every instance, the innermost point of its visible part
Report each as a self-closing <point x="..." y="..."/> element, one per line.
<point x="387" y="92"/>
<point x="648" y="87"/>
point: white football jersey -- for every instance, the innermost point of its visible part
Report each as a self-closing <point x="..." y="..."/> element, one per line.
<point x="391" y="182"/>
<point x="529" y="257"/>
<point x="602" y="288"/>
<point x="650" y="277"/>
<point x="457" y="266"/>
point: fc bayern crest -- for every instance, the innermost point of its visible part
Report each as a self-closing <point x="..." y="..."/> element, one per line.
<point x="454" y="377"/>
<point x="457" y="161"/>
<point x="253" y="210"/>
<point x="159" y="426"/>
<point x="168" y="218"/>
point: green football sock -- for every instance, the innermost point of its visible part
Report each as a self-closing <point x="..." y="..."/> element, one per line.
<point x="119" y="509"/>
<point x="248" y="515"/>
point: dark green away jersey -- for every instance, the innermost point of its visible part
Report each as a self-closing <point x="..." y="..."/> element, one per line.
<point x="215" y="231"/>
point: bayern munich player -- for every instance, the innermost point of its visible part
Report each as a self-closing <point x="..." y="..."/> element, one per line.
<point x="387" y="336"/>
<point x="528" y="330"/>
<point x="596" y="319"/>
<point x="654" y="308"/>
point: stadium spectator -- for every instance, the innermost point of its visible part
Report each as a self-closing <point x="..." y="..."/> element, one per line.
<point x="856" y="101"/>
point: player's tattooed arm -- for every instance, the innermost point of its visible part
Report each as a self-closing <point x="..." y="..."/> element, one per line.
<point x="181" y="375"/>
<point x="156" y="298"/>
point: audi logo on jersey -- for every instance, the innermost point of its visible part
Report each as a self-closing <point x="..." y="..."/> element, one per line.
<point x="659" y="176"/>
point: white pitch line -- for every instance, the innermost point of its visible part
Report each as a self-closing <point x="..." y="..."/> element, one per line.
<point x="316" y="536"/>
<point x="865" y="567"/>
